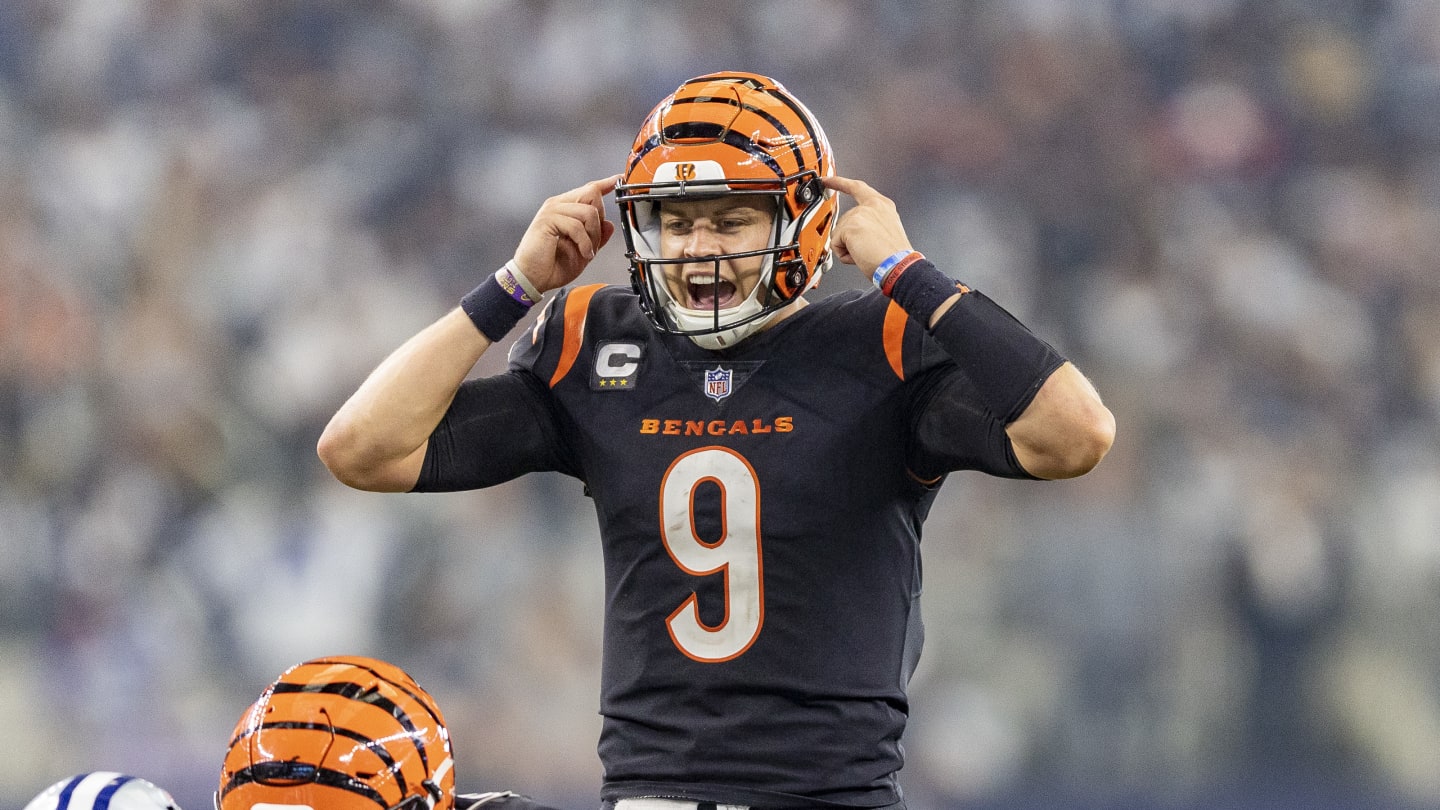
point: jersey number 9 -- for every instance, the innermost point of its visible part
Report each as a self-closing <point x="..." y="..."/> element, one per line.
<point x="735" y="554"/>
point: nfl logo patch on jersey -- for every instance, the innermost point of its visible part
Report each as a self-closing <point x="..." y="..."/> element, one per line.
<point x="721" y="381"/>
<point x="617" y="366"/>
<point x="717" y="383"/>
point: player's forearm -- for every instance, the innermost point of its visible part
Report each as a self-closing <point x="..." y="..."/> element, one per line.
<point x="376" y="441"/>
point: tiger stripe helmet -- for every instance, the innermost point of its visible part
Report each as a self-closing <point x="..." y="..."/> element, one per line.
<point x="102" y="790"/>
<point x="730" y="133"/>
<point x="340" y="733"/>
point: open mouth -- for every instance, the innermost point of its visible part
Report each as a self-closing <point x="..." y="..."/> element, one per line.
<point x="709" y="291"/>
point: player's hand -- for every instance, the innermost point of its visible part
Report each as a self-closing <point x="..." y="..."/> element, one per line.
<point x="566" y="233"/>
<point x="870" y="231"/>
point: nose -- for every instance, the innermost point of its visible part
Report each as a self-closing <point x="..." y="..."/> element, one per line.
<point x="702" y="242"/>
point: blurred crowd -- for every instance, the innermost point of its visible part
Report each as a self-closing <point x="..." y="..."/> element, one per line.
<point x="216" y="216"/>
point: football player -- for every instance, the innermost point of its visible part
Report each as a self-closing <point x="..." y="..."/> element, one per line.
<point x="346" y="733"/>
<point x="103" y="790"/>
<point x="761" y="464"/>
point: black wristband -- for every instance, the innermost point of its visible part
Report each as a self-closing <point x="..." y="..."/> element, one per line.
<point x="1006" y="361"/>
<point x="921" y="289"/>
<point x="492" y="309"/>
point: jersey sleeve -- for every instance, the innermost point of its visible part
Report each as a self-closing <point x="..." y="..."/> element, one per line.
<point x="952" y="430"/>
<point x="501" y="427"/>
<point x="496" y="429"/>
<point x="951" y="427"/>
<point x="550" y="348"/>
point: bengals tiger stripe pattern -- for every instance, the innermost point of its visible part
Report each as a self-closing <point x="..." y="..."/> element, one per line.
<point x="340" y="733"/>
<point x="731" y="133"/>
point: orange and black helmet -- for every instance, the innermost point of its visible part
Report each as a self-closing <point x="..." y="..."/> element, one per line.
<point x="729" y="133"/>
<point x="340" y="733"/>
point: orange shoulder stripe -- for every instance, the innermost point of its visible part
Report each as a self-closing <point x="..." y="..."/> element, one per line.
<point x="894" y="337"/>
<point x="577" y="305"/>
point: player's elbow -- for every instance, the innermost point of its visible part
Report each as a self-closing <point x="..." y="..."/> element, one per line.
<point x="1094" y="438"/>
<point x="345" y="453"/>
<point x="337" y="451"/>
<point x="1076" y="447"/>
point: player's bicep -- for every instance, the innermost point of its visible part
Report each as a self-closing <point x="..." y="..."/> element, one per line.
<point x="497" y="429"/>
<point x="952" y="430"/>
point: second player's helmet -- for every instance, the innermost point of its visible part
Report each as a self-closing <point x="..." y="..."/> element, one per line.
<point x="729" y="133"/>
<point x="103" y="790"/>
<point x="341" y="733"/>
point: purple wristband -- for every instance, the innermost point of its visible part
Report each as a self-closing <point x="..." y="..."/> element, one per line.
<point x="510" y="282"/>
<point x="493" y="309"/>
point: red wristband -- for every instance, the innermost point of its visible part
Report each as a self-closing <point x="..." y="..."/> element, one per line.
<point x="888" y="283"/>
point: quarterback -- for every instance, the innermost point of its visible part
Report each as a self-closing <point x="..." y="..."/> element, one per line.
<point x="761" y="464"/>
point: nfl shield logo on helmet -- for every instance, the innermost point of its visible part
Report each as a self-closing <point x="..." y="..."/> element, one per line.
<point x="717" y="383"/>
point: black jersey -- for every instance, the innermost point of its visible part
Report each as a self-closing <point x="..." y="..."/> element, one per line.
<point x="760" y="510"/>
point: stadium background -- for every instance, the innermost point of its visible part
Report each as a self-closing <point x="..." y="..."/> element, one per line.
<point x="217" y="215"/>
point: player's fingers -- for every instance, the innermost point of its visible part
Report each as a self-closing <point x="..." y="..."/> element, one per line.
<point x="862" y="192"/>
<point x="590" y="216"/>
<point x="605" y="185"/>
<point x="575" y="231"/>
<point x="594" y="196"/>
<point x="593" y="192"/>
<point x="561" y="217"/>
<point x="848" y="185"/>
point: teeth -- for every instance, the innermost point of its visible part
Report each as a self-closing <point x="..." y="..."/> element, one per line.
<point x="703" y="278"/>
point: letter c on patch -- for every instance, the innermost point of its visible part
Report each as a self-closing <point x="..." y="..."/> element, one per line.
<point x="617" y="360"/>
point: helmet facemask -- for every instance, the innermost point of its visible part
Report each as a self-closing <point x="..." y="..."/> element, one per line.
<point x="690" y="149"/>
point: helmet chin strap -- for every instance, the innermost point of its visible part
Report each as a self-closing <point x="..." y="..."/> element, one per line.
<point x="697" y="320"/>
<point x="725" y="338"/>
<point x="707" y="328"/>
<point x="729" y="337"/>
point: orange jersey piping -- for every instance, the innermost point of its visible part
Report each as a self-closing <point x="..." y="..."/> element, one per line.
<point x="894" y="338"/>
<point x="576" y="308"/>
